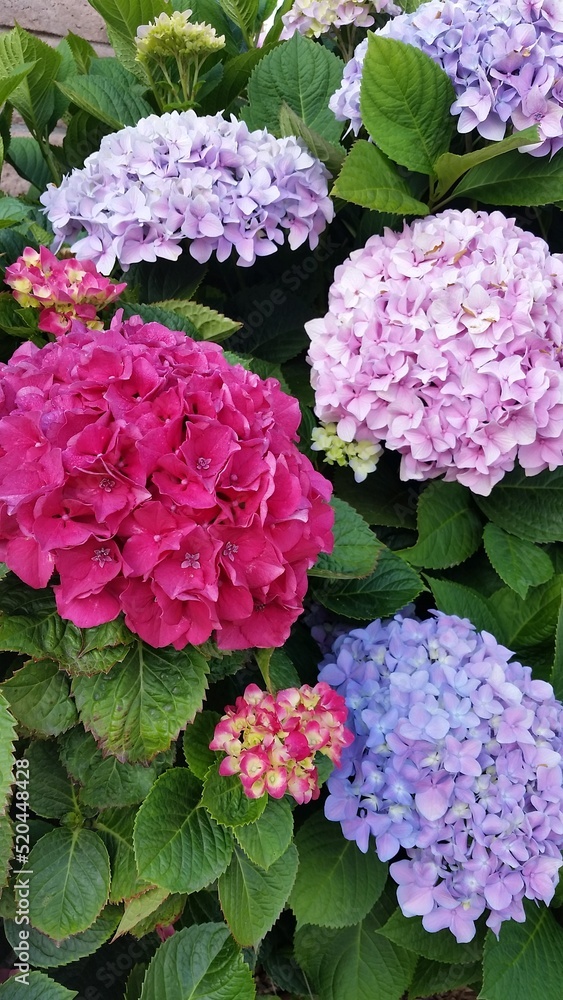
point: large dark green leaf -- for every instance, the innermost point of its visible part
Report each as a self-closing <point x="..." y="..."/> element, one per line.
<point x="370" y="179"/>
<point x="515" y="179"/>
<point x="392" y="585"/>
<point x="199" y="963"/>
<point x="530" y="507"/>
<point x="70" y="882"/>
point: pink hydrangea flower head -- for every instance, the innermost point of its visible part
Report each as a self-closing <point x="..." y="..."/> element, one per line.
<point x="445" y="342"/>
<point x="505" y="62"/>
<point x="207" y="181"/>
<point x="270" y="741"/>
<point x="161" y="481"/>
<point x="316" y="17"/>
<point x="457" y="760"/>
<point x="63" y="290"/>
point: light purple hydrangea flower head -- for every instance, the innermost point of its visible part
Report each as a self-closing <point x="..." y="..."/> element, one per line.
<point x="505" y="60"/>
<point x="457" y="760"/>
<point x="207" y="180"/>
<point x="316" y="17"/>
<point x="445" y="341"/>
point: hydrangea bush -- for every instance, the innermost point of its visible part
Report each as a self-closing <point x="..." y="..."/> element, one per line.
<point x="281" y="495"/>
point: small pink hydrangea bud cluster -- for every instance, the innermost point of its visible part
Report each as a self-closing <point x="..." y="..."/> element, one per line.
<point x="445" y="342"/>
<point x="270" y="740"/>
<point x="160" y="481"/>
<point x="62" y="289"/>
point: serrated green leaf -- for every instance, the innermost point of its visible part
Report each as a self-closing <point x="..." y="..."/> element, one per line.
<point x="36" y="987"/>
<point x="138" y="708"/>
<point x="135" y="982"/>
<point x="70" y="882"/>
<point x="30" y="624"/>
<point x="82" y="52"/>
<point x="527" y="622"/>
<point x="265" y="840"/>
<point x="519" y="564"/>
<point x="51" y="792"/>
<point x="224" y="798"/>
<point x="356" y="548"/>
<point x="209" y="324"/>
<point x="39" y="697"/>
<point x="526" y="962"/>
<point x="115" y="827"/>
<point x="34" y="97"/>
<point x="104" y="99"/>
<point x="158" y="314"/>
<point x="139" y="909"/>
<point x="83" y="136"/>
<point x="46" y="954"/>
<point x="436" y="977"/>
<point x="281" y="670"/>
<point x="237" y="70"/>
<point x="530" y="507"/>
<point x="243" y="13"/>
<point x="449" y="167"/>
<point x="392" y="585"/>
<point x="7" y="737"/>
<point x="197" y="737"/>
<point x="199" y="963"/>
<point x="253" y="898"/>
<point x="455" y="599"/>
<point x="329" y="153"/>
<point x="125" y="16"/>
<point x="106" y="781"/>
<point x="355" y="963"/>
<point x="557" y="669"/>
<point x="178" y="846"/>
<point x="515" y="179"/>
<point x="9" y="81"/>
<point x="449" y="527"/>
<point x="6" y="848"/>
<point x="302" y="75"/>
<point x="441" y="946"/>
<point x="405" y="102"/>
<point x="370" y="179"/>
<point x="336" y="884"/>
<point x="24" y="155"/>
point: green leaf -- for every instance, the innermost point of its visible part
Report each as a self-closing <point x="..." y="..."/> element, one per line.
<point x="178" y="846"/>
<point x="449" y="167"/>
<point x="25" y="156"/>
<point x="70" y="882"/>
<point x="106" y="781"/>
<point x="138" y="708"/>
<point x="356" y="549"/>
<point x="253" y="898"/>
<point x="520" y="564"/>
<point x="7" y="737"/>
<point x="370" y="179"/>
<point x="199" y="963"/>
<point x="9" y="81"/>
<point x="30" y="624"/>
<point x="281" y="670"/>
<point x="436" y="977"/>
<point x="123" y="17"/>
<point x="355" y="963"/>
<point x="384" y="500"/>
<point x="243" y="13"/>
<point x="209" y="324"/>
<point x="527" y="622"/>
<point x="265" y="840"/>
<point x="6" y="847"/>
<point x="115" y="827"/>
<point x="336" y="884"/>
<point x="329" y="153"/>
<point x="82" y="52"/>
<point x="237" y="70"/>
<point x="139" y="909"/>
<point x="405" y="103"/>
<point x="530" y="507"/>
<point x="440" y="946"/>
<point x="34" y="97"/>
<point x="449" y="527"/>
<point x="557" y="670"/>
<point x="46" y="954"/>
<point x="105" y="99"/>
<point x="36" y="987"/>
<point x="301" y="74"/>
<point x="51" y="793"/>
<point x="224" y="798"/>
<point x="515" y="179"/>
<point x="83" y="136"/>
<point x="455" y="599"/>
<point x="197" y="737"/>
<point x="168" y="912"/>
<point x="39" y="696"/>
<point x="526" y="962"/>
<point x="157" y="314"/>
<point x="387" y="590"/>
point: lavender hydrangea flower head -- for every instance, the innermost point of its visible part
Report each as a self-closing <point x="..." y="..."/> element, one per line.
<point x="207" y="180"/>
<point x="505" y="60"/>
<point x="445" y="341"/>
<point x="316" y="17"/>
<point x="457" y="760"/>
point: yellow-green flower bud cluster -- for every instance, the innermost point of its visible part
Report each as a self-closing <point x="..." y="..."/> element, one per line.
<point x="361" y="456"/>
<point x="174" y="34"/>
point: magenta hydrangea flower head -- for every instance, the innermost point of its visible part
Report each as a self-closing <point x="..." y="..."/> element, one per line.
<point x="179" y="177"/>
<point x="270" y="741"/>
<point x="159" y="480"/>
<point x="63" y="290"/>
<point x="457" y="760"/>
<point x="445" y="342"/>
<point x="505" y="60"/>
